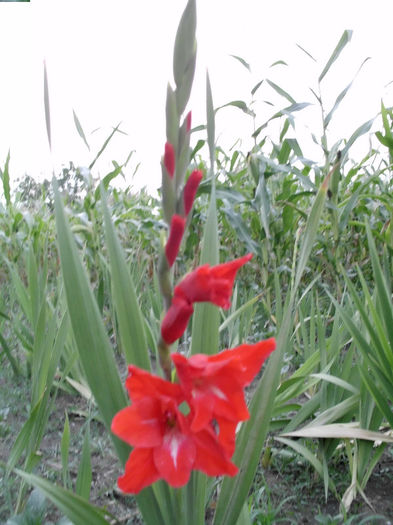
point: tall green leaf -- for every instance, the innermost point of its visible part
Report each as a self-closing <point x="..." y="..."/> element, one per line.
<point x="77" y="509"/>
<point x="345" y="38"/>
<point x="129" y="315"/>
<point x="5" y="179"/>
<point x="47" y="107"/>
<point x="94" y="348"/>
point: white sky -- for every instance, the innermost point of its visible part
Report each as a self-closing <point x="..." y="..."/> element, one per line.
<point x="111" y="61"/>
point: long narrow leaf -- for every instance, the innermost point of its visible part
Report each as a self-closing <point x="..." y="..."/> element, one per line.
<point x="345" y="38"/>
<point x="129" y="315"/>
<point x="94" y="348"/>
<point x="77" y="509"/>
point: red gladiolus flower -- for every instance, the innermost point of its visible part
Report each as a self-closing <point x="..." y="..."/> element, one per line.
<point x="169" y="159"/>
<point x="205" y="284"/>
<point x="190" y="190"/>
<point x="214" y="384"/>
<point x="176" y="232"/>
<point x="165" y="447"/>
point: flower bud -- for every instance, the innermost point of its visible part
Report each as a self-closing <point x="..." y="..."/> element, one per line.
<point x="169" y="159"/>
<point x="188" y="122"/>
<point x="190" y="190"/>
<point x="176" y="232"/>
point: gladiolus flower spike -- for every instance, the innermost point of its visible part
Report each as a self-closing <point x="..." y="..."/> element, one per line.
<point x="205" y="284"/>
<point x="168" y="444"/>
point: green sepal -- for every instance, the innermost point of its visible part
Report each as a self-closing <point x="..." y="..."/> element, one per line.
<point x="172" y="118"/>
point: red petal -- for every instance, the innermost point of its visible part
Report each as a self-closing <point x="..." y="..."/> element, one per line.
<point x="227" y="435"/>
<point x="176" y="320"/>
<point x="174" y="459"/>
<point x="213" y="284"/>
<point x="139" y="425"/>
<point x="248" y="359"/>
<point x="211" y="458"/>
<point x="140" y="471"/>
<point x="190" y="190"/>
<point x="169" y="159"/>
<point x="229" y="269"/>
<point x="176" y="232"/>
<point x="215" y="383"/>
<point x="142" y="384"/>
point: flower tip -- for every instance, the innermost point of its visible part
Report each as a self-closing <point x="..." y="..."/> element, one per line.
<point x="169" y="159"/>
<point x="176" y="232"/>
<point x="188" y="122"/>
<point x="190" y="190"/>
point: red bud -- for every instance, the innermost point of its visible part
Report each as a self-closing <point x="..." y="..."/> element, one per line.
<point x="176" y="231"/>
<point x="190" y="190"/>
<point x="169" y="159"/>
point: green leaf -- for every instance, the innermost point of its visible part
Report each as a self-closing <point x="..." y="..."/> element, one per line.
<point x="281" y="91"/>
<point x="256" y="87"/>
<point x="23" y="439"/>
<point x="242" y="61"/>
<point x="311" y="229"/>
<point x="306" y="52"/>
<point x="307" y="454"/>
<point x="94" y="348"/>
<point x="47" y="107"/>
<point x="290" y="109"/>
<point x="129" y="315"/>
<point x="361" y="130"/>
<point x="103" y="147"/>
<point x="210" y="120"/>
<point x="5" y="178"/>
<point x="64" y="448"/>
<point x="384" y="294"/>
<point x="172" y="117"/>
<point x="107" y="180"/>
<point x="340" y="97"/>
<point x="345" y="38"/>
<point x="184" y="56"/>
<point x="77" y="509"/>
<point x="92" y="341"/>
<point x="278" y="63"/>
<point x="80" y="130"/>
<point x="84" y="477"/>
<point x="239" y="104"/>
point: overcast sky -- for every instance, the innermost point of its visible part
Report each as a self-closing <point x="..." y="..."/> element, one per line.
<point x="111" y="62"/>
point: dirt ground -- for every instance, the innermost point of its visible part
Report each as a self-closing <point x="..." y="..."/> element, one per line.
<point x="292" y="494"/>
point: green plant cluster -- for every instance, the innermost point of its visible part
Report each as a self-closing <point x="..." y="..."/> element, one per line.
<point x="334" y="397"/>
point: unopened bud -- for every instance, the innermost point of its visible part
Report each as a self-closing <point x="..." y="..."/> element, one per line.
<point x="190" y="190"/>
